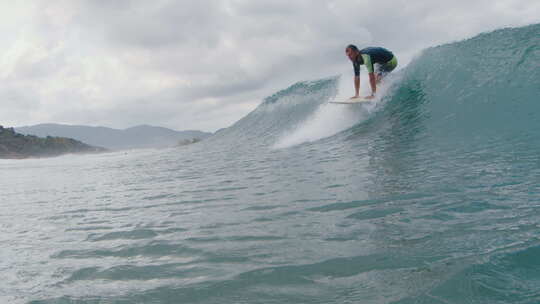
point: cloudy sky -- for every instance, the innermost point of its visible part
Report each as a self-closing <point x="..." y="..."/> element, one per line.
<point x="204" y="64"/>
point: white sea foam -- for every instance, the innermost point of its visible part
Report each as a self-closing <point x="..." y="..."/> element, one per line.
<point x="330" y="119"/>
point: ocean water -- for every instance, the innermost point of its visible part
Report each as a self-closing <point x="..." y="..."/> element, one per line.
<point x="430" y="195"/>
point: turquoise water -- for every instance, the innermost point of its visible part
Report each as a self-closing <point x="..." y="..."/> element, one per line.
<point x="430" y="196"/>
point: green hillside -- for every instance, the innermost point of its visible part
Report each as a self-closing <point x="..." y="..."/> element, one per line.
<point x="15" y="145"/>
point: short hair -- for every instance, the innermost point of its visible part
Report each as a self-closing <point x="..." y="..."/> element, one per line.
<point x="352" y="47"/>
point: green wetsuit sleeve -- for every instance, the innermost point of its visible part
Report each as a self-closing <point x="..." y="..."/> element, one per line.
<point x="368" y="63"/>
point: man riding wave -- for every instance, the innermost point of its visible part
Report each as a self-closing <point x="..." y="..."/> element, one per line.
<point x="378" y="61"/>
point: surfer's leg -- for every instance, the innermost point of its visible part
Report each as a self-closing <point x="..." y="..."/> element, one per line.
<point x="379" y="76"/>
<point x="380" y="72"/>
<point x="385" y="69"/>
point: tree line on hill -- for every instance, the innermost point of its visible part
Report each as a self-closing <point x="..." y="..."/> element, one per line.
<point x="16" y="146"/>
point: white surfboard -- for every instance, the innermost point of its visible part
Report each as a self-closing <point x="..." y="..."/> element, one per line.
<point x="353" y="101"/>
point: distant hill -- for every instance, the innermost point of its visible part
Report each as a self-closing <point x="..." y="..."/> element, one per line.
<point x="115" y="139"/>
<point x="15" y="145"/>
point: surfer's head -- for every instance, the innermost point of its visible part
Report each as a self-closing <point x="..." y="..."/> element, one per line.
<point x="351" y="51"/>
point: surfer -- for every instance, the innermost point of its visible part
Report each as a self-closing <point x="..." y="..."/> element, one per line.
<point x="378" y="61"/>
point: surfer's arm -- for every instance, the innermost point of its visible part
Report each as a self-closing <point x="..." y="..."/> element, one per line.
<point x="370" y="69"/>
<point x="356" y="86"/>
<point x="373" y="83"/>
<point x="356" y="80"/>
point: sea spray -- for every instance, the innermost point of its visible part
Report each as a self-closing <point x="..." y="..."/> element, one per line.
<point x="330" y="119"/>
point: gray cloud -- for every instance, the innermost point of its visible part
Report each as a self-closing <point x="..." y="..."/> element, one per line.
<point x="204" y="64"/>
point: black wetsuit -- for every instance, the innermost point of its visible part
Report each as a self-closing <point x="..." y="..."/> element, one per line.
<point x="371" y="55"/>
